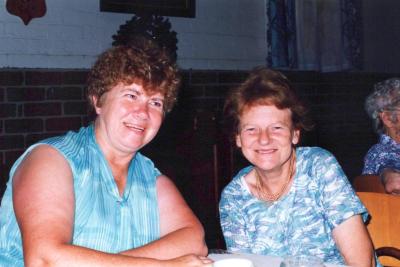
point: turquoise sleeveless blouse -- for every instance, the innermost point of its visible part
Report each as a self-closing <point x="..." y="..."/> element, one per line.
<point x="104" y="220"/>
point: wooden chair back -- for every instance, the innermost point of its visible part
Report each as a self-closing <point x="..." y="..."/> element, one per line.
<point x="384" y="224"/>
<point x="368" y="183"/>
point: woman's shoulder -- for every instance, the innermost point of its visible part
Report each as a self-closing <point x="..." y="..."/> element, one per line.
<point x="311" y="159"/>
<point x="144" y="167"/>
<point x="312" y="152"/>
<point x="143" y="161"/>
<point x="81" y="135"/>
<point x="235" y="186"/>
<point x="385" y="145"/>
<point x="63" y="144"/>
<point x="74" y="145"/>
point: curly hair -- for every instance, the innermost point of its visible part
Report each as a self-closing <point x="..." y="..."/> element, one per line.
<point x="385" y="97"/>
<point x="141" y="61"/>
<point x="265" y="87"/>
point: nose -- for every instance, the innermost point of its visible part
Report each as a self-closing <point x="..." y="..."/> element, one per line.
<point x="263" y="136"/>
<point x="141" y="110"/>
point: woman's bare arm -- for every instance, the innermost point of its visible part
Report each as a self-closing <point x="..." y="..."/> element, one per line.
<point x="181" y="231"/>
<point x="354" y="243"/>
<point x="43" y="200"/>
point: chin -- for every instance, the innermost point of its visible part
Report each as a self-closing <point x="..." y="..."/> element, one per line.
<point x="133" y="146"/>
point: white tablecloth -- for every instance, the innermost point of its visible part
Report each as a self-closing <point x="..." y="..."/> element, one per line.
<point x="258" y="260"/>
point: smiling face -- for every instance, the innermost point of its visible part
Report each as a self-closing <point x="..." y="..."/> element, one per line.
<point x="128" y="118"/>
<point x="391" y="123"/>
<point x="266" y="136"/>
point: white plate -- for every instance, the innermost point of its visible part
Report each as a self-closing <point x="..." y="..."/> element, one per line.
<point x="233" y="262"/>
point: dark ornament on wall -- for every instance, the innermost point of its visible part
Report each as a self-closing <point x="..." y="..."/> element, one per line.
<point x="153" y="27"/>
<point x="26" y="9"/>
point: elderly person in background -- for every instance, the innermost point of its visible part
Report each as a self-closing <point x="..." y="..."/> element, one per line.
<point x="89" y="198"/>
<point x="290" y="200"/>
<point x="383" y="158"/>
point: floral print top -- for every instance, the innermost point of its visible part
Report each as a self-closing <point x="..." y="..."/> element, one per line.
<point x="299" y="223"/>
<point x="385" y="154"/>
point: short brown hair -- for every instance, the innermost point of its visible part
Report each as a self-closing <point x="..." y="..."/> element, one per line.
<point x="142" y="62"/>
<point x="265" y="87"/>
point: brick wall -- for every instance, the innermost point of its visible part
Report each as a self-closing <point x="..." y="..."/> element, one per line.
<point x="35" y="104"/>
<point x="336" y="102"/>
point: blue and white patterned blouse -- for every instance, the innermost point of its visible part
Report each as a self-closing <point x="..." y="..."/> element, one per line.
<point x="385" y="154"/>
<point x="299" y="223"/>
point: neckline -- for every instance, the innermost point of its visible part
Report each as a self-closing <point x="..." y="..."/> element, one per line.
<point x="108" y="177"/>
<point x="244" y="184"/>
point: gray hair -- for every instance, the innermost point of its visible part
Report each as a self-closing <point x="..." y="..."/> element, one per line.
<point x="385" y="97"/>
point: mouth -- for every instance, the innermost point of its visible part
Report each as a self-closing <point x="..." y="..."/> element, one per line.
<point x="134" y="127"/>
<point x="265" y="151"/>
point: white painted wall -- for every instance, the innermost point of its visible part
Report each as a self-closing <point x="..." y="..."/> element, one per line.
<point x="226" y="34"/>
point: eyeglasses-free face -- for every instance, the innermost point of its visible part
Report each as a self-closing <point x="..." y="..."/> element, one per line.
<point x="266" y="136"/>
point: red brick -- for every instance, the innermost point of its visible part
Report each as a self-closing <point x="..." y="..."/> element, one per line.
<point x="25" y="94"/>
<point x="194" y="91"/>
<point x="85" y="97"/>
<point x="12" y="155"/>
<point x="76" y="108"/>
<point x="75" y="77"/>
<point x="20" y="110"/>
<point x="86" y="120"/>
<point x="2" y="93"/>
<point x="23" y="125"/>
<point x="9" y="159"/>
<point x="303" y="76"/>
<point x="63" y="124"/>
<point x="8" y="110"/>
<point x="4" y="170"/>
<point x="65" y="93"/>
<point x="231" y="77"/>
<point x="209" y="104"/>
<point x="185" y="77"/>
<point x="34" y="138"/>
<point x="42" y="109"/>
<point x="216" y="91"/>
<point x="203" y="77"/>
<point x="44" y="78"/>
<point x="12" y="141"/>
<point x="11" y="78"/>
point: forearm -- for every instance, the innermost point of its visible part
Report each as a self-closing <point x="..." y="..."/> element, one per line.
<point x="359" y="256"/>
<point x="363" y="261"/>
<point x="71" y="256"/>
<point x="188" y="240"/>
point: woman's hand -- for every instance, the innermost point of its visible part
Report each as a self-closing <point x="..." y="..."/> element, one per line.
<point x="391" y="181"/>
<point x="190" y="260"/>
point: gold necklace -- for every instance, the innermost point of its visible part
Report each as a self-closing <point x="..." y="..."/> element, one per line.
<point x="268" y="196"/>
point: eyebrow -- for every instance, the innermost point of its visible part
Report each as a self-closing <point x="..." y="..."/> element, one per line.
<point x="130" y="89"/>
<point x="143" y="92"/>
<point x="158" y="99"/>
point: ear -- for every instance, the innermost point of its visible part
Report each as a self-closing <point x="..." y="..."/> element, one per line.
<point x="238" y="141"/>
<point x="386" y="119"/>
<point x="296" y="136"/>
<point x="95" y="101"/>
